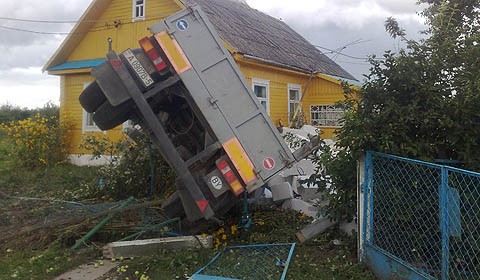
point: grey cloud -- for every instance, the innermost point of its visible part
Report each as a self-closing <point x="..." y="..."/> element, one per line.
<point x="52" y="10"/>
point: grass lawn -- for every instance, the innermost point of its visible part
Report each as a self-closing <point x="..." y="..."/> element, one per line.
<point x="45" y="254"/>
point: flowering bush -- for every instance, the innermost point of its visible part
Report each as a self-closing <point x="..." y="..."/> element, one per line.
<point x="37" y="141"/>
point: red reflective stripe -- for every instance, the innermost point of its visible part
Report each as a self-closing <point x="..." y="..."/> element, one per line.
<point x="152" y="53"/>
<point x="202" y="205"/>
<point x="230" y="177"/>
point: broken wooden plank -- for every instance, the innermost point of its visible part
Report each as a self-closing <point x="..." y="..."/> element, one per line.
<point x="137" y="248"/>
<point x="314" y="229"/>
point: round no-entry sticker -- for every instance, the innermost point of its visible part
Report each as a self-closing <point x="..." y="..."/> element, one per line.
<point x="268" y="163"/>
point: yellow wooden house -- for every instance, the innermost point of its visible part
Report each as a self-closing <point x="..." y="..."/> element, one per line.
<point x="284" y="70"/>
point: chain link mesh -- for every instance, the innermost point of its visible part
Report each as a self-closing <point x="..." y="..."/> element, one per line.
<point x="464" y="225"/>
<point x="250" y="262"/>
<point x="413" y="207"/>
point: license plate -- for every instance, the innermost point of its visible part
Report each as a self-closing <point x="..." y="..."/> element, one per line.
<point x="138" y="68"/>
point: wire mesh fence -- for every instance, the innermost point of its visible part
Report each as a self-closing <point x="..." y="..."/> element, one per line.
<point x="249" y="262"/>
<point x="424" y="215"/>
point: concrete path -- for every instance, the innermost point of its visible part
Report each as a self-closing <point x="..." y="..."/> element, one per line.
<point x="88" y="271"/>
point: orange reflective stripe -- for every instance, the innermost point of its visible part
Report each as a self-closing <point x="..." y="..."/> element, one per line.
<point x="174" y="52"/>
<point x="240" y="160"/>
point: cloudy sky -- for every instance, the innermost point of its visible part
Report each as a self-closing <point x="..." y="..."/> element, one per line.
<point x="346" y="30"/>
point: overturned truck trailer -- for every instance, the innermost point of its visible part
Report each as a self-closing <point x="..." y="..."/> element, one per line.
<point x="184" y="89"/>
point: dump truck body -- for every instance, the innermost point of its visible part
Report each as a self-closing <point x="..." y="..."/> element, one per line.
<point x="185" y="90"/>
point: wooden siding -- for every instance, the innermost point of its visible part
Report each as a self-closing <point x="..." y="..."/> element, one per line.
<point x="126" y="34"/>
<point x="72" y="112"/>
<point x="319" y="91"/>
<point x="95" y="45"/>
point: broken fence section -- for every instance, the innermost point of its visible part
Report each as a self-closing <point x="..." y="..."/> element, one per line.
<point x="248" y="262"/>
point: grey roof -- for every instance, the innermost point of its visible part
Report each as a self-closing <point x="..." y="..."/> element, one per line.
<point x="254" y="33"/>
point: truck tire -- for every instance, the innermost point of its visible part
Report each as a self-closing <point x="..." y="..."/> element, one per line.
<point x="107" y="116"/>
<point x="92" y="97"/>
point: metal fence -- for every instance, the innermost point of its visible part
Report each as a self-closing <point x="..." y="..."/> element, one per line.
<point x="420" y="220"/>
<point x="249" y="262"/>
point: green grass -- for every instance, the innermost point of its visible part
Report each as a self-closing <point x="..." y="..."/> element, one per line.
<point x="46" y="257"/>
<point x="41" y="264"/>
<point x="317" y="259"/>
<point x="5" y="147"/>
<point x="27" y="257"/>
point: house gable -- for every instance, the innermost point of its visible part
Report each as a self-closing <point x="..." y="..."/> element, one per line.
<point x="87" y="45"/>
<point x="106" y="19"/>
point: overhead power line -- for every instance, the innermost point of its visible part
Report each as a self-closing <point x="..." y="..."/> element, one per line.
<point x="102" y="28"/>
<point x="59" y="21"/>
<point x="346" y="55"/>
<point x="38" y="21"/>
<point x="33" y="31"/>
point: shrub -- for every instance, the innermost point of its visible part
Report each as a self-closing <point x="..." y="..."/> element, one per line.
<point x="37" y="141"/>
<point x="131" y="168"/>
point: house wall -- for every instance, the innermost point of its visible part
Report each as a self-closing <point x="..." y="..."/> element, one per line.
<point x="319" y="92"/>
<point x="71" y="111"/>
<point x="126" y="34"/>
<point x="95" y="45"/>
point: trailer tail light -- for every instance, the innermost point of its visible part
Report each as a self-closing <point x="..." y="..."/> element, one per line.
<point x="153" y="54"/>
<point x="230" y="177"/>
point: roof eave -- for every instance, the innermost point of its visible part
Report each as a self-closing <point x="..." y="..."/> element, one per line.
<point x="78" y="32"/>
<point x="278" y="64"/>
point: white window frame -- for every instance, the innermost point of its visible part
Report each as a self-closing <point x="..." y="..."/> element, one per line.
<point x="299" y="89"/>
<point x="329" y="111"/>
<point x="266" y="84"/>
<point x="85" y="126"/>
<point x="134" y="10"/>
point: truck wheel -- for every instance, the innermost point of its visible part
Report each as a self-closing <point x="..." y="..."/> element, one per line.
<point x="92" y="97"/>
<point x="107" y="116"/>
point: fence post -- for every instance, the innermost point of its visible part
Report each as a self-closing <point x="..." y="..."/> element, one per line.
<point x="444" y="223"/>
<point x="365" y="205"/>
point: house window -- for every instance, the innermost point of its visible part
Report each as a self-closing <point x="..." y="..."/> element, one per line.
<point x="294" y="95"/>
<point x="138" y="9"/>
<point x="325" y="115"/>
<point x="87" y="123"/>
<point x="261" y="90"/>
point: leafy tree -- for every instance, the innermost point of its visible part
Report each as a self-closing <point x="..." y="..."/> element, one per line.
<point x="10" y="112"/>
<point x="421" y="102"/>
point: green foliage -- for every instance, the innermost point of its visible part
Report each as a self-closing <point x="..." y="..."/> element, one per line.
<point x="335" y="177"/>
<point x="37" y="141"/>
<point x="421" y="102"/>
<point x="128" y="172"/>
<point x="10" y="113"/>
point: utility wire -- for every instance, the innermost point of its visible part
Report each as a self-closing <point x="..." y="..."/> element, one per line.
<point x="33" y="31"/>
<point x="38" y="21"/>
<point x="50" y="33"/>
<point x="68" y="33"/>
<point x="59" y="21"/>
<point x="346" y="55"/>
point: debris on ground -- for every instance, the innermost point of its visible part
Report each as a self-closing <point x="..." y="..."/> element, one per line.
<point x="150" y="246"/>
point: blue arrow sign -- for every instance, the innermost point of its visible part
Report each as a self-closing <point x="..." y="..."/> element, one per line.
<point x="182" y="25"/>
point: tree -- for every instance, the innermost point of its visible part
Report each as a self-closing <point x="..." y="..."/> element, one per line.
<point x="422" y="102"/>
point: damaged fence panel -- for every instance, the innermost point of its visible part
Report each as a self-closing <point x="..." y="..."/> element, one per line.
<point x="248" y="262"/>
